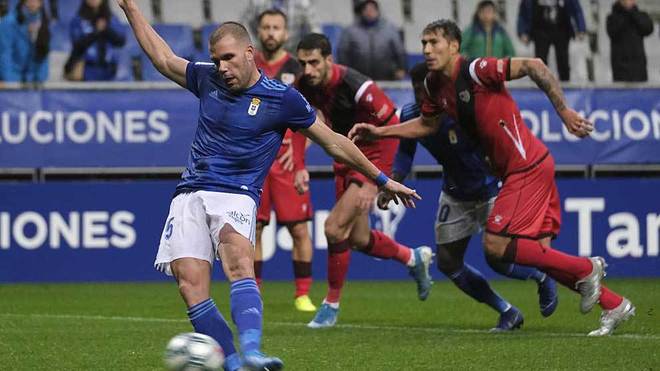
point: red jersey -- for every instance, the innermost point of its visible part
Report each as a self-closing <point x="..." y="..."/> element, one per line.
<point x="349" y="98"/>
<point x="286" y="70"/>
<point x="477" y="98"/>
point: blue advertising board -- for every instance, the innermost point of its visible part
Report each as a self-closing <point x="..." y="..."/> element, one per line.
<point x="109" y="231"/>
<point x="138" y="128"/>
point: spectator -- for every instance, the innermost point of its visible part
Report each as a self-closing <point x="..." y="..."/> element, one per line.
<point x="627" y="26"/>
<point x="95" y="33"/>
<point x="372" y="45"/>
<point x="551" y="22"/>
<point x="301" y="16"/>
<point x="486" y="37"/>
<point x="25" y="43"/>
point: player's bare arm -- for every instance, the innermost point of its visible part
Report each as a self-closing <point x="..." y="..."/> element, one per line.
<point x="343" y="150"/>
<point x="546" y="81"/>
<point x="416" y="128"/>
<point x="161" y="55"/>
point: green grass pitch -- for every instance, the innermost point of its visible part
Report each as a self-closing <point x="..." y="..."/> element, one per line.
<point x="382" y="326"/>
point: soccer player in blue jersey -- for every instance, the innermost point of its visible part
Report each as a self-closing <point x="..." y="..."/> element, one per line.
<point x="243" y="116"/>
<point x="468" y="194"/>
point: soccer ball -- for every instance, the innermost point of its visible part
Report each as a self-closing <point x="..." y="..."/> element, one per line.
<point x="193" y="351"/>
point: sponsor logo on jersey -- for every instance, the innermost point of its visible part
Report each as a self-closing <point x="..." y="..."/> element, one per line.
<point x="464" y="96"/>
<point x="498" y="219"/>
<point x="254" y="106"/>
<point x="288" y="78"/>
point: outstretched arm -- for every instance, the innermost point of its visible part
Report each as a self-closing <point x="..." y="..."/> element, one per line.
<point x="546" y="81"/>
<point x="343" y="150"/>
<point x="161" y="55"/>
<point x="415" y="128"/>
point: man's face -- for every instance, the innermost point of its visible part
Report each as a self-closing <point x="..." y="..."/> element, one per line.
<point x="370" y="12"/>
<point x="272" y="32"/>
<point x="33" y="5"/>
<point x="234" y="60"/>
<point x="628" y="4"/>
<point x="438" y="51"/>
<point x="315" y="66"/>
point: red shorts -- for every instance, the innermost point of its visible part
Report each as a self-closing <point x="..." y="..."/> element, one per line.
<point x="280" y="194"/>
<point x="528" y="204"/>
<point x="381" y="154"/>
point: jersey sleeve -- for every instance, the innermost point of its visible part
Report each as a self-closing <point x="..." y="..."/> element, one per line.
<point x="297" y="113"/>
<point x="490" y="72"/>
<point x="370" y="98"/>
<point x="195" y="72"/>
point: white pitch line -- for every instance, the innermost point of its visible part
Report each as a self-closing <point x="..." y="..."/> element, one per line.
<point x="431" y="330"/>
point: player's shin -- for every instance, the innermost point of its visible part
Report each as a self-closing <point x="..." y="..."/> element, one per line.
<point x="514" y="271"/>
<point x="473" y="283"/>
<point x="533" y="253"/>
<point x="302" y="272"/>
<point x="246" y="312"/>
<point x="206" y="319"/>
<point x="339" y="257"/>
<point x="382" y="246"/>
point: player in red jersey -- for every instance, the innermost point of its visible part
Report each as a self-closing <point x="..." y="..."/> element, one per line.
<point x="345" y="97"/>
<point x="526" y="214"/>
<point x="292" y="208"/>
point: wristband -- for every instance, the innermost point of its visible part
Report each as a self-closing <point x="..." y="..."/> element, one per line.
<point x="381" y="179"/>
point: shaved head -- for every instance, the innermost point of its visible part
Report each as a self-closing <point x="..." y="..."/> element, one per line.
<point x="233" y="29"/>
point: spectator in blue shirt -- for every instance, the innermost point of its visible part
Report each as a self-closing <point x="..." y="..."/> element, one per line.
<point x="95" y="35"/>
<point x="25" y="43"/>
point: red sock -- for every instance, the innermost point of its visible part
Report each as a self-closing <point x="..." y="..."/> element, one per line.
<point x="566" y="269"/>
<point x="302" y="273"/>
<point x="258" y="265"/>
<point x="339" y="257"/>
<point x="382" y="246"/>
<point x="609" y="299"/>
<point x="564" y="278"/>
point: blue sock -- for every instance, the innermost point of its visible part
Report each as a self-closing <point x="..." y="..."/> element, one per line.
<point x="471" y="282"/>
<point x="521" y="272"/>
<point x="206" y="319"/>
<point x="246" y="311"/>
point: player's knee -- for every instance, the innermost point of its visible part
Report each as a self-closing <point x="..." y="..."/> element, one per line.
<point x="495" y="245"/>
<point x="333" y="232"/>
<point x="359" y="241"/>
<point x="299" y="231"/>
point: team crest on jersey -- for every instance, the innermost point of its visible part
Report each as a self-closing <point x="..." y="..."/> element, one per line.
<point x="464" y="96"/>
<point x="288" y="78"/>
<point x="453" y="139"/>
<point x="483" y="64"/>
<point x="254" y="106"/>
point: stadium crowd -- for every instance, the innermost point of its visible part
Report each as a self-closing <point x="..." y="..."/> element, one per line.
<point x="87" y="40"/>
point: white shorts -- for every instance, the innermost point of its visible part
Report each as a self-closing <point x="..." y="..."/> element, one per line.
<point x="192" y="228"/>
<point x="458" y="219"/>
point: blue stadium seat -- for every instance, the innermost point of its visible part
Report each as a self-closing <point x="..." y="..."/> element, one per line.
<point x="59" y="37"/>
<point x="333" y="32"/>
<point x="180" y="38"/>
<point x="66" y="10"/>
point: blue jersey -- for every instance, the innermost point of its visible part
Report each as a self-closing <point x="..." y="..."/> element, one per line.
<point x="238" y="133"/>
<point x="465" y="174"/>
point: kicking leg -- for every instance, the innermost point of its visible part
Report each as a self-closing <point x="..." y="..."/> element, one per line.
<point x="245" y="300"/>
<point x="194" y="278"/>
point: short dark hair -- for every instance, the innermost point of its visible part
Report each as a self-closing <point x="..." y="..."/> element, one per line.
<point x="450" y="30"/>
<point x="313" y="41"/>
<point x="234" y="29"/>
<point x="273" y="11"/>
